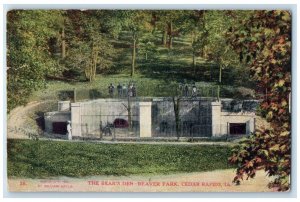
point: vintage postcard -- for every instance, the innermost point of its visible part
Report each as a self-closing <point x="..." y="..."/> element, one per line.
<point x="148" y="100"/>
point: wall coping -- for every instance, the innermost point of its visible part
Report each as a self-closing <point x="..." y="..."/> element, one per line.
<point x="76" y="104"/>
<point x="145" y="103"/>
<point x="65" y="101"/>
<point x="215" y="103"/>
<point x="56" y="113"/>
<point x="238" y="113"/>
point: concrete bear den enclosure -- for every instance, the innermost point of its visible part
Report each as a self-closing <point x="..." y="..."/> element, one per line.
<point x="152" y="118"/>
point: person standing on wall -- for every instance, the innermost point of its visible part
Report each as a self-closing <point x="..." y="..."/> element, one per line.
<point x="124" y="89"/>
<point x="111" y="90"/>
<point x="133" y="90"/>
<point x="194" y="91"/>
<point x="119" y="88"/>
<point x="130" y="93"/>
<point x="186" y="90"/>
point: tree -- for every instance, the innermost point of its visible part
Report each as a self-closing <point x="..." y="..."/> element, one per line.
<point x="146" y="45"/>
<point x="216" y="49"/>
<point x="170" y="23"/>
<point x="99" y="52"/>
<point x="89" y="48"/>
<point x="160" y="23"/>
<point x="192" y="23"/>
<point x="29" y="58"/>
<point x="136" y="22"/>
<point x="264" y="44"/>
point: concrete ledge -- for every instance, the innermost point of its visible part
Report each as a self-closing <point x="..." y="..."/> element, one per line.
<point x="63" y="106"/>
<point x="76" y="104"/>
<point x="237" y="113"/>
<point x="145" y="104"/>
<point x="215" y="103"/>
<point x="56" y="113"/>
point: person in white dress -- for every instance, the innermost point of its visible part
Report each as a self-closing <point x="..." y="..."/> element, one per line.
<point x="69" y="129"/>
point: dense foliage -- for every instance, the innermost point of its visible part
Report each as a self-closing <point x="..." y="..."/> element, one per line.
<point x="264" y="43"/>
<point x="75" y="45"/>
<point x="89" y="49"/>
<point x="28" y="57"/>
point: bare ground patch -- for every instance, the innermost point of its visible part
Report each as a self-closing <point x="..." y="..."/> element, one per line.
<point x="24" y="119"/>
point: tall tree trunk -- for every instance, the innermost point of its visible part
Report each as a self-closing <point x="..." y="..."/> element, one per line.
<point x="133" y="55"/>
<point x="194" y="54"/>
<point x="86" y="71"/>
<point x="63" y="43"/>
<point x="170" y="35"/>
<point x="210" y="72"/>
<point x="94" y="66"/>
<point x="220" y="80"/>
<point x="90" y="71"/>
<point x="194" y="62"/>
<point x="165" y="35"/>
<point x="94" y="62"/>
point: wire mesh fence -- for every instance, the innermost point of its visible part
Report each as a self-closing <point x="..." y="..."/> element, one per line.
<point x="183" y="130"/>
<point x="235" y="105"/>
<point x="113" y="132"/>
<point x="193" y="118"/>
<point x="109" y="127"/>
<point x="142" y="90"/>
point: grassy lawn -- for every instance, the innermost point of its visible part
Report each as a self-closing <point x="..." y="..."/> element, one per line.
<point x="42" y="159"/>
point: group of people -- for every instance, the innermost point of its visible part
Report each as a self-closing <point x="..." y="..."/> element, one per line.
<point x="188" y="91"/>
<point x="123" y="90"/>
<point x="131" y="91"/>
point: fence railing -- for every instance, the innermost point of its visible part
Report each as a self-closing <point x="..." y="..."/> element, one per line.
<point x="91" y="131"/>
<point x="143" y="91"/>
<point x="112" y="133"/>
<point x="109" y="131"/>
<point x="182" y="131"/>
<point x="234" y="105"/>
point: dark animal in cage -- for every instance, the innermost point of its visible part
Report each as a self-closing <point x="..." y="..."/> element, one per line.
<point x="164" y="127"/>
<point x="106" y="130"/>
<point x="187" y="127"/>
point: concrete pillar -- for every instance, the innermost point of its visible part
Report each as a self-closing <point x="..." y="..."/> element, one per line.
<point x="145" y="119"/>
<point x="251" y="123"/>
<point x="63" y="106"/>
<point x="76" y="119"/>
<point x="48" y="122"/>
<point x="216" y="118"/>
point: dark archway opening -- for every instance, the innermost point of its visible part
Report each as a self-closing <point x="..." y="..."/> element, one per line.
<point x="237" y="128"/>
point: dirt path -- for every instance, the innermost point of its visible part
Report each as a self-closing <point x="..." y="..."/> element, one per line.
<point x="215" y="181"/>
<point x="19" y="121"/>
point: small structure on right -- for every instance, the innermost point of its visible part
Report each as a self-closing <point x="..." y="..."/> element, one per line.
<point x="233" y="120"/>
